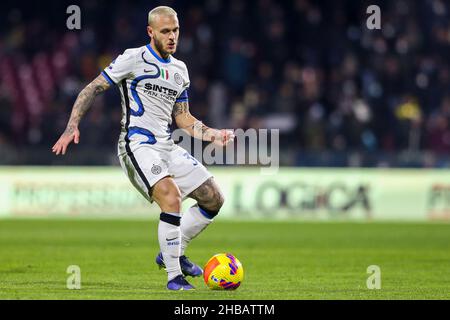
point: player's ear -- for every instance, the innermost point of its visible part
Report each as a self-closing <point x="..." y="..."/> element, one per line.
<point x="150" y="31"/>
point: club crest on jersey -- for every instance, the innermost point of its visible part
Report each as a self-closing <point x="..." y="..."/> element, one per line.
<point x="178" y="79"/>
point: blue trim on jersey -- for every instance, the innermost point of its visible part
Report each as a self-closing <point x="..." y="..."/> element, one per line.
<point x="149" y="47"/>
<point x="183" y="97"/>
<point x="108" y="78"/>
<point x="184" y="94"/>
<point x="135" y="95"/>
<point x="144" y="132"/>
<point x="127" y="140"/>
<point x="150" y="63"/>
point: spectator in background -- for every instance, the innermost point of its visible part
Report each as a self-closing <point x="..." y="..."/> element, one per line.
<point x="311" y="69"/>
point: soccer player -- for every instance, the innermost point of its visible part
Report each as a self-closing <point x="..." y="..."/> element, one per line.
<point x="154" y="88"/>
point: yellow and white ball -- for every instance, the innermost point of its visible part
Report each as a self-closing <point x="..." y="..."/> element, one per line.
<point x="223" y="272"/>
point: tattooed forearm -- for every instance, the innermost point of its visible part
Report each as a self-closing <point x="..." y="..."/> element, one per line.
<point x="84" y="102"/>
<point x="188" y="122"/>
<point x="200" y="130"/>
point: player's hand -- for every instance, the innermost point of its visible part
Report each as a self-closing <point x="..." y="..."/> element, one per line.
<point x="66" y="138"/>
<point x="223" y="137"/>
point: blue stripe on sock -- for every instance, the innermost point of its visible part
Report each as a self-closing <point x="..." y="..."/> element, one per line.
<point x="206" y="214"/>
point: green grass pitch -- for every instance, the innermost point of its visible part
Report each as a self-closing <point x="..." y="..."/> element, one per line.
<point x="282" y="260"/>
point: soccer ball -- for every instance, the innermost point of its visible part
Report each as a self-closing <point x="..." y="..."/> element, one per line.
<point x="223" y="272"/>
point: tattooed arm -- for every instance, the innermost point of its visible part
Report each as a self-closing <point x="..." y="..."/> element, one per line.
<point x="84" y="101"/>
<point x="186" y="121"/>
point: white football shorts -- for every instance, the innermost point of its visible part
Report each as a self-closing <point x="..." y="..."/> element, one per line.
<point x="145" y="165"/>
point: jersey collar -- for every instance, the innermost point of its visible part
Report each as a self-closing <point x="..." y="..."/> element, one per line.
<point x="149" y="47"/>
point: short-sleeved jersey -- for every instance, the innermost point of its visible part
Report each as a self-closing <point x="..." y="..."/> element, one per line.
<point x="149" y="86"/>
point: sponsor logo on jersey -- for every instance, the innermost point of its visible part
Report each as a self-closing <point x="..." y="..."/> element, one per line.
<point x="161" y="89"/>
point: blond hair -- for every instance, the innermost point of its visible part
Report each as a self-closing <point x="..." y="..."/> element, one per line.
<point x="161" y="10"/>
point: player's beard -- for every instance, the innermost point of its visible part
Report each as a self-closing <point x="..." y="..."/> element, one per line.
<point x="160" y="47"/>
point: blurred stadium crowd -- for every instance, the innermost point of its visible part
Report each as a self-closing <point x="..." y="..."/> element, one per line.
<point x="341" y="94"/>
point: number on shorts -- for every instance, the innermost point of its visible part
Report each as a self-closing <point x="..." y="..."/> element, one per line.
<point x="189" y="157"/>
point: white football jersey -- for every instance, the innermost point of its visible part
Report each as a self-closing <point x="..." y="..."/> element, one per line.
<point x="149" y="87"/>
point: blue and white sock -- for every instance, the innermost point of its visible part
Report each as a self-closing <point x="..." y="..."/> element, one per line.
<point x="169" y="237"/>
<point x="193" y="222"/>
